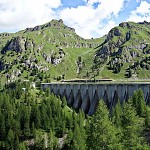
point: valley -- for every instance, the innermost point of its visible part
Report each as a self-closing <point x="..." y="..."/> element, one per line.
<point x="95" y="92"/>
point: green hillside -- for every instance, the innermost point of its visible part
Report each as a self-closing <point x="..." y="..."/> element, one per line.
<point x="126" y="50"/>
<point x="53" y="51"/>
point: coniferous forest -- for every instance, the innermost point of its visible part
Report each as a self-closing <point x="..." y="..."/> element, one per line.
<point x="31" y="119"/>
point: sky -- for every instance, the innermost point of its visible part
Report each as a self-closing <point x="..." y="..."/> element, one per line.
<point x="90" y="18"/>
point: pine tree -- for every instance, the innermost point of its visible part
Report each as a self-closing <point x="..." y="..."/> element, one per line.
<point x="81" y="118"/>
<point x="52" y="141"/>
<point x="10" y="140"/>
<point x="33" y="130"/>
<point x="134" y="100"/>
<point x="63" y="128"/>
<point x="2" y="127"/>
<point x="22" y="146"/>
<point x="35" y="116"/>
<point x="16" y="143"/>
<point x="132" y="128"/>
<point x="79" y="140"/>
<point x="26" y="122"/>
<point x="2" y="145"/>
<point x="117" y="114"/>
<point x="64" y="102"/>
<point x="39" y="143"/>
<point x="139" y="102"/>
<point x="101" y="132"/>
<point x="69" y="140"/>
<point x="147" y="117"/>
<point x="44" y="117"/>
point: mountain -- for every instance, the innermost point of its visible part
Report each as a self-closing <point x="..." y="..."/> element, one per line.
<point x="54" y="51"/>
<point x="127" y="51"/>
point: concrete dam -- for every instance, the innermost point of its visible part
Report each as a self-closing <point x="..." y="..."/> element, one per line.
<point x="87" y="95"/>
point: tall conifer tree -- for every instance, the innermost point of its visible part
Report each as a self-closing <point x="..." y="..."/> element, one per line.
<point x="101" y="132"/>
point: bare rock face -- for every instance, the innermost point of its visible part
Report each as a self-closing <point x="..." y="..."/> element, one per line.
<point x="54" y="58"/>
<point x="29" y="44"/>
<point x="17" y="72"/>
<point x="18" y="44"/>
<point x="80" y="64"/>
<point x="57" y="24"/>
<point x="69" y="28"/>
<point x="145" y="22"/>
<point x="125" y="24"/>
<point x="4" y="34"/>
<point x="36" y="28"/>
<point x="1" y="65"/>
<point x="113" y="32"/>
<point x="61" y="21"/>
<point x="148" y="51"/>
<point x="49" y="24"/>
<point x="128" y="36"/>
<point x="123" y="42"/>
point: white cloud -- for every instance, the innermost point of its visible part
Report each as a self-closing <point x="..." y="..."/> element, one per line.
<point x="106" y="27"/>
<point x="106" y="7"/>
<point x="141" y="13"/>
<point x="94" y="19"/>
<point x="81" y="18"/>
<point x="88" y="21"/>
<point x="18" y="14"/>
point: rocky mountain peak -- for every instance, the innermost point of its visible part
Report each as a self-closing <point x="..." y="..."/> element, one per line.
<point x="56" y="50"/>
<point x="57" y="24"/>
<point x="145" y="23"/>
<point x="125" y="24"/>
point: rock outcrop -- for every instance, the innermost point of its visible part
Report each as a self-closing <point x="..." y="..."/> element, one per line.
<point x="50" y="50"/>
<point x="120" y="41"/>
<point x="18" y="44"/>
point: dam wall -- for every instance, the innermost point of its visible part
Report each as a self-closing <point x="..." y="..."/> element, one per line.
<point x="87" y="96"/>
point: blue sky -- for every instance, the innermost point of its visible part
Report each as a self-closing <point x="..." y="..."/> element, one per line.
<point x="90" y="18"/>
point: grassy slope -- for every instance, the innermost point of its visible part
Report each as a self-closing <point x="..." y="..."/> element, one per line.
<point x="52" y="37"/>
<point x="141" y="36"/>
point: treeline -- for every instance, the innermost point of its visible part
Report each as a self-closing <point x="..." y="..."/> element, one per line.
<point x="30" y="120"/>
<point x="33" y="119"/>
<point x="126" y="128"/>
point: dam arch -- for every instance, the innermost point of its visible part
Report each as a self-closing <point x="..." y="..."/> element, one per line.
<point x="87" y="95"/>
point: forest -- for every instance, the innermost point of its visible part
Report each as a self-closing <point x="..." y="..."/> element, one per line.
<point x="32" y="119"/>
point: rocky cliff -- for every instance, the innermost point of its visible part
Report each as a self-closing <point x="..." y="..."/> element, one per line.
<point x="129" y="44"/>
<point x="54" y="51"/>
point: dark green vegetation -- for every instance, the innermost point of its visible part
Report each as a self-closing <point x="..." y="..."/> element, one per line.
<point x="36" y="119"/>
<point x="54" y="51"/>
<point x="33" y="119"/>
